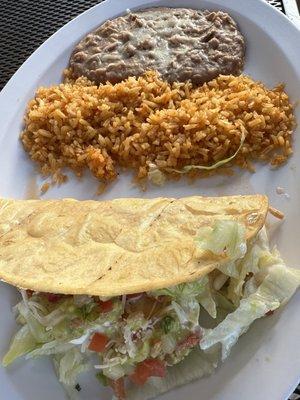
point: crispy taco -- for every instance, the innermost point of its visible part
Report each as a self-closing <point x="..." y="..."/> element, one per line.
<point x="156" y="291"/>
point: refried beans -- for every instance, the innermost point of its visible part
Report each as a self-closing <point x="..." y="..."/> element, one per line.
<point x="179" y="43"/>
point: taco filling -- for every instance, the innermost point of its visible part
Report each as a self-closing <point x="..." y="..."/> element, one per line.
<point x="145" y="343"/>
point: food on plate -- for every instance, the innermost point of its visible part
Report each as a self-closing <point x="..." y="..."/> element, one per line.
<point x="150" y="294"/>
<point x="157" y="129"/>
<point x="180" y="43"/>
<point x="91" y="247"/>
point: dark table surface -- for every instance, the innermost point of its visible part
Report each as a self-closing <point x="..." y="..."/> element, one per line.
<point x="26" y="24"/>
<point x="29" y="23"/>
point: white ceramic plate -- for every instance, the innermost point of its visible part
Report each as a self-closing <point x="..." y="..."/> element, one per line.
<point x="266" y="362"/>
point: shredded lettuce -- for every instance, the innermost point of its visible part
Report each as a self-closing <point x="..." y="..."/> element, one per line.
<point x="182" y="291"/>
<point x="196" y="365"/>
<point x="187" y="298"/>
<point x="68" y="366"/>
<point x="255" y="261"/>
<point x="276" y="289"/>
<point x="157" y="177"/>
<point x="218" y="164"/>
<point x="22" y="343"/>
<point x="54" y="347"/>
<point x="206" y="297"/>
<point x="169" y="343"/>
<point x="37" y="330"/>
<point x="225" y="238"/>
<point x="187" y="312"/>
<point x="159" y="324"/>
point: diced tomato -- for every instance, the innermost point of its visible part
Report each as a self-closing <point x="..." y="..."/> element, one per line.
<point x="53" y="298"/>
<point x="106" y="306"/>
<point x="98" y="342"/>
<point x="147" y="368"/>
<point x="189" y="342"/>
<point x="118" y="388"/>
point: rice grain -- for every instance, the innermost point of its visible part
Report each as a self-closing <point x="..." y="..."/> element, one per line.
<point x="145" y="122"/>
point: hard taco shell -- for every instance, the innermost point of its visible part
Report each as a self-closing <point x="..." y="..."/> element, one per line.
<point x="109" y="248"/>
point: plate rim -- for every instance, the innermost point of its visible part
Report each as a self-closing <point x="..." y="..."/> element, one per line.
<point x="8" y="92"/>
